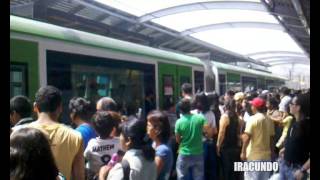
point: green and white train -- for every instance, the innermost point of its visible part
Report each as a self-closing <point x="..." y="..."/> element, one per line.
<point x="90" y="65"/>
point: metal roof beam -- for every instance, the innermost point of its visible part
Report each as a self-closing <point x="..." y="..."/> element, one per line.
<point x="299" y="11"/>
<point x="172" y="33"/>
<point x="273" y="11"/>
<point x="274" y="52"/>
<point x="286" y="60"/>
<point x="241" y="5"/>
<point x="281" y="57"/>
<point x="290" y="62"/>
<point x="203" y="6"/>
<point x="101" y="17"/>
<point x="107" y="29"/>
<point x="76" y="9"/>
<point x="226" y="25"/>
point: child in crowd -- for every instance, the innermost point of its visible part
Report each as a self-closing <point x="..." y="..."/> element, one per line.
<point x="100" y="149"/>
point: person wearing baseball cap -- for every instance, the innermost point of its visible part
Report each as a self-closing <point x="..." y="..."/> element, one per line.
<point x="256" y="139"/>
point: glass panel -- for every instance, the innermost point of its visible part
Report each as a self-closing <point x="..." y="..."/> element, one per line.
<point x="168" y="85"/>
<point x="233" y="82"/>
<point x="261" y="84"/>
<point x="249" y="40"/>
<point x="18" y="79"/>
<point x="222" y="83"/>
<point x="17" y="76"/>
<point x="123" y="85"/>
<point x="17" y="91"/>
<point x="168" y="89"/>
<point x="234" y="86"/>
<point x="91" y="77"/>
<point x="249" y="83"/>
<point x="141" y="7"/>
<point x="277" y="54"/>
<point x="231" y="77"/>
<point x="187" y="20"/>
<point x="199" y="81"/>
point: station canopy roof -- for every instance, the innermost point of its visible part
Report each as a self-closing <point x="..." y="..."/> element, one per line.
<point x="246" y="27"/>
<point x="261" y="32"/>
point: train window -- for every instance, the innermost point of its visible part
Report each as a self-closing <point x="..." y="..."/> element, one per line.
<point x="168" y="89"/>
<point x="233" y="82"/>
<point x="123" y="85"/>
<point x="198" y="81"/>
<point x="248" y="83"/>
<point x="184" y="79"/>
<point x="127" y="83"/>
<point x="270" y="84"/>
<point x="222" y="83"/>
<point x="261" y="83"/>
<point x="18" y="73"/>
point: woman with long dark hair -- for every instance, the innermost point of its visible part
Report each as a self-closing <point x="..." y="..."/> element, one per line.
<point x="31" y="156"/>
<point x="228" y="140"/>
<point x="296" y="152"/>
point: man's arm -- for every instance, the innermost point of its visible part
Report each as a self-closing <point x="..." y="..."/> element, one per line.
<point x="78" y="172"/>
<point x="300" y="172"/>
<point x="277" y="119"/>
<point x="208" y="131"/>
<point x="245" y="142"/>
<point x="178" y="138"/>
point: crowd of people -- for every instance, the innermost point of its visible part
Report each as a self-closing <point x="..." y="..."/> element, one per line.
<point x="199" y="138"/>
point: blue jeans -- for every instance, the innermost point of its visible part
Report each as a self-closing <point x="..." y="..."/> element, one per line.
<point x="257" y="175"/>
<point x="287" y="172"/>
<point x="193" y="164"/>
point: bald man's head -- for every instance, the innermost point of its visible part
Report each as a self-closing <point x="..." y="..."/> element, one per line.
<point x="106" y="104"/>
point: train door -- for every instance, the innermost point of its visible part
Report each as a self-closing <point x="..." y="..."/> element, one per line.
<point x="167" y="86"/>
<point x="171" y="77"/>
<point x="184" y="76"/>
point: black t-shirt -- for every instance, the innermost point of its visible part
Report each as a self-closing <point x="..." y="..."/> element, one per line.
<point x="297" y="147"/>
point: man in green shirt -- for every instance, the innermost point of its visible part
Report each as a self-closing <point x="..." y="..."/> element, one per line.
<point x="188" y="130"/>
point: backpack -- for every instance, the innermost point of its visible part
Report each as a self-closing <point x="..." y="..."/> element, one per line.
<point x="126" y="169"/>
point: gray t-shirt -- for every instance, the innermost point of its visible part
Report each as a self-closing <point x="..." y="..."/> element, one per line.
<point x="140" y="168"/>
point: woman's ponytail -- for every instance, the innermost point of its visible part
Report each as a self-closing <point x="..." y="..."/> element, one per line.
<point x="148" y="152"/>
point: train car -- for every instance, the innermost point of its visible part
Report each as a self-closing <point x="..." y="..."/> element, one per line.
<point x="92" y="66"/>
<point x="243" y="79"/>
